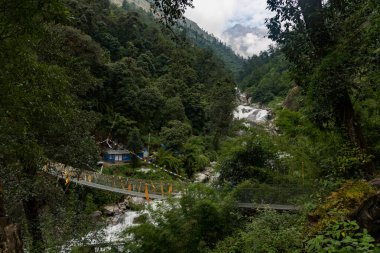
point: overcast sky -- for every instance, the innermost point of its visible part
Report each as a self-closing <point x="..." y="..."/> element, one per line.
<point x="215" y="16"/>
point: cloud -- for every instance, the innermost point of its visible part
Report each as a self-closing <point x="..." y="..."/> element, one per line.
<point x="212" y="15"/>
<point x="247" y="44"/>
<point x="216" y="16"/>
<point x="254" y="44"/>
<point x="253" y="12"/>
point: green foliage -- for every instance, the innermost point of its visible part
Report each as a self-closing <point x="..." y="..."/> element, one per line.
<point x="192" y="223"/>
<point x="166" y="159"/>
<point x="42" y="116"/>
<point x="195" y="158"/>
<point x="172" y="10"/>
<point x="269" y="231"/>
<point x="150" y="81"/>
<point x="203" y="39"/>
<point x="175" y="134"/>
<point x="318" y="151"/>
<point x="266" y="77"/>
<point x="251" y="191"/>
<point x="220" y="108"/>
<point x="117" y="125"/>
<point x="350" y="160"/>
<point x="344" y="236"/>
<point x="174" y="110"/>
<point x="250" y="158"/>
<point x="134" y="144"/>
<point x="332" y="48"/>
<point x="85" y="249"/>
<point x="27" y="21"/>
<point x="153" y="173"/>
<point x="90" y="206"/>
<point x="62" y="220"/>
<point x="295" y="124"/>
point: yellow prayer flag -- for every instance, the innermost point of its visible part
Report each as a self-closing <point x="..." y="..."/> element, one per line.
<point x="147" y="192"/>
<point x="170" y="189"/>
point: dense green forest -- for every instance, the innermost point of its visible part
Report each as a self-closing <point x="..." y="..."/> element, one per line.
<point x="77" y="72"/>
<point x="74" y="73"/>
<point x="266" y="76"/>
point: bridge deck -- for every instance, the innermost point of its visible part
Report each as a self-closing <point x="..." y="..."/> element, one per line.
<point x="118" y="185"/>
<point x="277" y="207"/>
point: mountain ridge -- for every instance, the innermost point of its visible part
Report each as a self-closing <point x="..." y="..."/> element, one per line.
<point x="199" y="37"/>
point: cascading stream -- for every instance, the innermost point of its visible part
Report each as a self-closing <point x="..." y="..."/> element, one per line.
<point x="250" y="112"/>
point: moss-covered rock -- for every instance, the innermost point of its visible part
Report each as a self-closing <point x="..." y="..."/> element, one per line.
<point x="340" y="205"/>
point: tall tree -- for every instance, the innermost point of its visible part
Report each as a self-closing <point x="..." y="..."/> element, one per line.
<point x="220" y="109"/>
<point x="172" y="10"/>
<point x="40" y="114"/>
<point x="134" y="144"/>
<point x="310" y="34"/>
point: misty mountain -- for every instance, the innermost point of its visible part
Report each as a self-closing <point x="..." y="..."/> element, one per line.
<point x="245" y="40"/>
<point x="203" y="39"/>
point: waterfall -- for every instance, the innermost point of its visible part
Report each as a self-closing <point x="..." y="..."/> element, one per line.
<point x="250" y="112"/>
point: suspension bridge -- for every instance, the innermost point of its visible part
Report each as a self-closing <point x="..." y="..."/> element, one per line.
<point x="250" y="198"/>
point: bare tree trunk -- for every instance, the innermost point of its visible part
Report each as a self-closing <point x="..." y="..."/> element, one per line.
<point x="10" y="235"/>
<point x="347" y="119"/>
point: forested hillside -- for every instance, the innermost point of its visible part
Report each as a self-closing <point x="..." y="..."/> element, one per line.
<point x="266" y="77"/>
<point x="204" y="40"/>
<point x="150" y="80"/>
<point x="197" y="36"/>
<point x="322" y="83"/>
<point x="77" y="72"/>
<point x="79" y="78"/>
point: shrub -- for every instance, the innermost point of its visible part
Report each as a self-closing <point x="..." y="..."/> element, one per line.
<point x="344" y="236"/>
<point x="269" y="231"/>
<point x="193" y="223"/>
<point x="253" y="158"/>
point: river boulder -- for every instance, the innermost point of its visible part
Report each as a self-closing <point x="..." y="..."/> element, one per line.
<point x="111" y="210"/>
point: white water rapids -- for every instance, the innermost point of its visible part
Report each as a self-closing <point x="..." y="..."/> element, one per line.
<point x="251" y="114"/>
<point x="112" y="233"/>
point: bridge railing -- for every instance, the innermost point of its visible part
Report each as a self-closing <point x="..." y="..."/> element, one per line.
<point x="160" y="187"/>
<point x="260" y="193"/>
